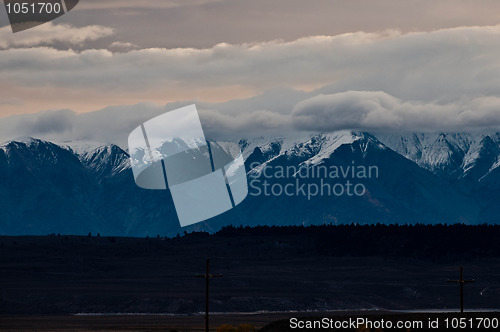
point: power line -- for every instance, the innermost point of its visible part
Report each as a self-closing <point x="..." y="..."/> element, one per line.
<point x="462" y="282"/>
<point x="207" y="277"/>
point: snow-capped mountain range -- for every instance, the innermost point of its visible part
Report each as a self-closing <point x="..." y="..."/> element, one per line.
<point x="77" y="188"/>
<point x="450" y="155"/>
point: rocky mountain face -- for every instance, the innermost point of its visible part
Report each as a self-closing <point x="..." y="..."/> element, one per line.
<point x="453" y="156"/>
<point x="339" y="177"/>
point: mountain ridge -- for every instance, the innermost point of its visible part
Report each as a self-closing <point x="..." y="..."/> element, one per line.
<point x="56" y="188"/>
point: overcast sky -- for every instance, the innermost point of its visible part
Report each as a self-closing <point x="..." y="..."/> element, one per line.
<point x="254" y="67"/>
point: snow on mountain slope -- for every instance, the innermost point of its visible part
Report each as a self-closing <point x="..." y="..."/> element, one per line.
<point x="88" y="187"/>
<point x="106" y="160"/>
<point x="401" y="192"/>
<point x="309" y="148"/>
<point x="32" y="152"/>
<point x="44" y="188"/>
<point x="81" y="147"/>
<point x="270" y="145"/>
<point x="331" y="142"/>
<point x="451" y="155"/>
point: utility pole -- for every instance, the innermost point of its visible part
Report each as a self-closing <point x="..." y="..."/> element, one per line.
<point x="461" y="281"/>
<point x="207" y="277"/>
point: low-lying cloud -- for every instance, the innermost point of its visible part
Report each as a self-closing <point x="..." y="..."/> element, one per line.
<point x="114" y="124"/>
<point x="379" y="111"/>
<point x="109" y="125"/>
<point x="372" y="111"/>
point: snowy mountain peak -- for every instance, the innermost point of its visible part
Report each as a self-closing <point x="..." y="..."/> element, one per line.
<point x="82" y="187"/>
<point x="448" y="154"/>
<point x="106" y="159"/>
<point x="33" y="151"/>
<point x="24" y="141"/>
<point x="81" y="147"/>
<point x="322" y="146"/>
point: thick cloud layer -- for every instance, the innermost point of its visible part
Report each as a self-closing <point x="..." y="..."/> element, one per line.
<point x="441" y="66"/>
<point x="374" y="111"/>
<point x="442" y="80"/>
<point x="379" y="111"/>
<point x="110" y="125"/>
<point x="114" y="124"/>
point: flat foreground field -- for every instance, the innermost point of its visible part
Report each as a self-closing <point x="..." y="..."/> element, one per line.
<point x="267" y="322"/>
<point x="129" y="322"/>
<point x="136" y="322"/>
<point x="89" y="283"/>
